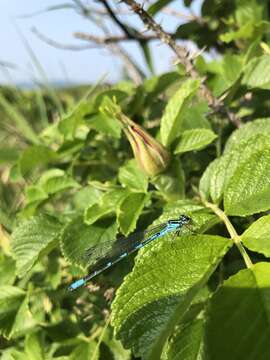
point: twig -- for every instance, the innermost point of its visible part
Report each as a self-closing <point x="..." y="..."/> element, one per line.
<point x="8" y="64"/>
<point x="150" y="24"/>
<point x="111" y="39"/>
<point x="131" y="68"/>
<point x="103" y="12"/>
<point x="63" y="6"/>
<point x="129" y="32"/>
<point x="59" y="45"/>
<point x="179" y="14"/>
<point x="116" y="49"/>
<point x="181" y="53"/>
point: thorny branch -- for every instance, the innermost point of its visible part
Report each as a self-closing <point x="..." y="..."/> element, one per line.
<point x="182" y="55"/>
<point x="131" y="34"/>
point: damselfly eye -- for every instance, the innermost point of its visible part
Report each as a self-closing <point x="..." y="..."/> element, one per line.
<point x="185" y="219"/>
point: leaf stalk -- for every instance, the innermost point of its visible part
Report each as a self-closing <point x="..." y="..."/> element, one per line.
<point x="231" y="230"/>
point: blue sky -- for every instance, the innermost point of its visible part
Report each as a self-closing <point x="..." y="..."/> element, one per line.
<point x="62" y="65"/>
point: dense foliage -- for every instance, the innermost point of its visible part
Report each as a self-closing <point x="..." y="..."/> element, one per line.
<point x="70" y="181"/>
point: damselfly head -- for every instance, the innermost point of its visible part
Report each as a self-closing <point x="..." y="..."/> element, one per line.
<point x="185" y="219"/>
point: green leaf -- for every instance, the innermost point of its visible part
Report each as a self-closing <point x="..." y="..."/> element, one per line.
<point x="248" y="190"/>
<point x="248" y="11"/>
<point x="15" y="173"/>
<point x="107" y="205"/>
<point x="78" y="237"/>
<point x="7" y="270"/>
<point x="11" y="298"/>
<point x="218" y="84"/>
<point x="172" y="118"/>
<point x="19" y="120"/>
<point x="257" y="236"/>
<point x="131" y="176"/>
<point x="110" y="107"/>
<point x="220" y="171"/>
<point x="34" y="194"/>
<point x="137" y="100"/>
<point x="86" y="197"/>
<point x="205" y="181"/>
<point x="105" y="124"/>
<point x="69" y="124"/>
<point x="23" y="321"/>
<point x="171" y="184"/>
<point x="151" y="301"/>
<point x="147" y="55"/>
<point x="50" y="182"/>
<point x="245" y="32"/>
<point x="187" y="342"/>
<point x="35" y="156"/>
<point x="8" y="155"/>
<point x="63" y="330"/>
<point x="33" y="237"/>
<point x="229" y="163"/>
<point x="12" y="354"/>
<point x="158" y="84"/>
<point x="33" y="347"/>
<point x="186" y="206"/>
<point x="96" y="212"/>
<point x="241" y="305"/>
<point x="115" y="346"/>
<point x="247" y="131"/>
<point x="110" y="94"/>
<point x="157" y="6"/>
<point x="227" y="72"/>
<point x="257" y="73"/>
<point x="254" y="50"/>
<point x="195" y="117"/>
<point x="130" y="210"/>
<point x="86" y="350"/>
<point x="232" y="66"/>
<point x="196" y="139"/>
<point x="55" y="180"/>
<point x="250" y="30"/>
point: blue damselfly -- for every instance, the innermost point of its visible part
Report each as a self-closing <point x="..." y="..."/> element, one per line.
<point x="106" y="254"/>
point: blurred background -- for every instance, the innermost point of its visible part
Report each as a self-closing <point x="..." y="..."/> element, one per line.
<point x="38" y="42"/>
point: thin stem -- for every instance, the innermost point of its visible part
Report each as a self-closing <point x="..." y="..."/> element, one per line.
<point x="95" y="334"/>
<point x="101" y="337"/>
<point x="218" y="141"/>
<point x="105" y="40"/>
<point x="231" y="230"/>
<point x="113" y="16"/>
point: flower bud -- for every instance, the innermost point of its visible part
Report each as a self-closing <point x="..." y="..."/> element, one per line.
<point x="151" y="156"/>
